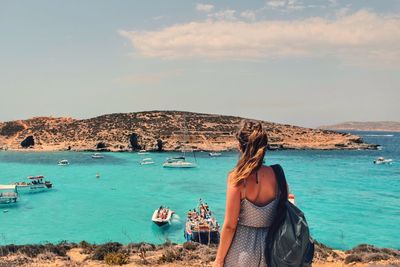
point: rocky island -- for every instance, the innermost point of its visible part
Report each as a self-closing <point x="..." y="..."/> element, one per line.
<point x="159" y="131"/>
<point x="379" y="126"/>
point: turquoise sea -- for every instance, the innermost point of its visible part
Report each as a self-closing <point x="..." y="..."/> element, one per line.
<point x="347" y="199"/>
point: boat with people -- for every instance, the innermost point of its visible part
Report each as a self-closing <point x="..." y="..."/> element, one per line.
<point x="8" y="194"/>
<point x="201" y="226"/>
<point x="63" y="162"/>
<point x="36" y="183"/>
<point x="382" y="160"/>
<point x="97" y="156"/>
<point x="214" y="154"/>
<point x="162" y="216"/>
<point x="147" y="161"/>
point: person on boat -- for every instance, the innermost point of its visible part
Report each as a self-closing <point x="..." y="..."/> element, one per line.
<point x="251" y="203"/>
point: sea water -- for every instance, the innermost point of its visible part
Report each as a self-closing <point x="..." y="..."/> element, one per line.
<point x="347" y="199"/>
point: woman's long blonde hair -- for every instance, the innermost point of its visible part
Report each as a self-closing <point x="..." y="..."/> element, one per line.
<point x="253" y="142"/>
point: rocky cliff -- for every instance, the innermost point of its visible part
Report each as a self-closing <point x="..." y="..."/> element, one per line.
<point x="380" y="126"/>
<point x="159" y="130"/>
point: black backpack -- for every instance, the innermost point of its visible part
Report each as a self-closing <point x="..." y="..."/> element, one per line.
<point x="289" y="243"/>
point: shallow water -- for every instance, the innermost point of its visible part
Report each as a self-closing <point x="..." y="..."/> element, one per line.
<point x="347" y="199"/>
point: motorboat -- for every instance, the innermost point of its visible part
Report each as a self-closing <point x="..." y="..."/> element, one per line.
<point x="178" y="163"/>
<point x="8" y="194"/>
<point x="63" y="162"/>
<point x="162" y="216"/>
<point x="143" y="152"/>
<point x="291" y="199"/>
<point x="214" y="154"/>
<point x="147" y="161"/>
<point x="201" y="226"/>
<point x="97" y="156"/>
<point x="36" y="183"/>
<point x="382" y="160"/>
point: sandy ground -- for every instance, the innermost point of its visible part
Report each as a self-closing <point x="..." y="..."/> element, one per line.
<point x="77" y="257"/>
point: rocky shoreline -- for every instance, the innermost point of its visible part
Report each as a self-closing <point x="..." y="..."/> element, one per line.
<point x="187" y="254"/>
<point x="159" y="131"/>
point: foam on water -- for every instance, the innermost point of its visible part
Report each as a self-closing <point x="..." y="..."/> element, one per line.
<point x="347" y="199"/>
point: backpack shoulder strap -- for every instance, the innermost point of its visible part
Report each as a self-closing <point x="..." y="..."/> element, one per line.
<point x="280" y="179"/>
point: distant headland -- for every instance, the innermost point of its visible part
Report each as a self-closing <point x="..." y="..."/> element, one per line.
<point x="159" y="131"/>
<point x="380" y="126"/>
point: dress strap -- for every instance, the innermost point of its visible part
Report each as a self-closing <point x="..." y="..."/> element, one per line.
<point x="257" y="177"/>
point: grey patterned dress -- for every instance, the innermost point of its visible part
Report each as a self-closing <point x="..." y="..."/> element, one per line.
<point x="248" y="244"/>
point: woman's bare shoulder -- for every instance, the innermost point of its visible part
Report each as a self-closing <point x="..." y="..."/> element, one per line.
<point x="233" y="187"/>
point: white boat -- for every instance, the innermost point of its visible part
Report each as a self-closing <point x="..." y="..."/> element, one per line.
<point x="214" y="154"/>
<point x="37" y="183"/>
<point x="162" y="216"/>
<point x="382" y="160"/>
<point x="63" y="162"/>
<point x="291" y="199"/>
<point x="180" y="162"/>
<point x="8" y="194"/>
<point x="147" y="161"/>
<point x="172" y="163"/>
<point x="143" y="152"/>
<point x="97" y="156"/>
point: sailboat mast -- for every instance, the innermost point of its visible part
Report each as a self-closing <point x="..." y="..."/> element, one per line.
<point x="184" y="135"/>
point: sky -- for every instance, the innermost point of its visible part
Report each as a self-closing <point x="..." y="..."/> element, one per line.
<point x="301" y="62"/>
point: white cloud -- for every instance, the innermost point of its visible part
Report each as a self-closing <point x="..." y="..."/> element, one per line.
<point x="228" y="14"/>
<point x="249" y="15"/>
<point x="204" y="7"/>
<point x="294" y="5"/>
<point x="285" y="4"/>
<point x="276" y="3"/>
<point x="358" y="37"/>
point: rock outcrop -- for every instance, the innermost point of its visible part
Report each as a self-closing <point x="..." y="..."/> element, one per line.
<point x="161" y="130"/>
<point x="380" y="126"/>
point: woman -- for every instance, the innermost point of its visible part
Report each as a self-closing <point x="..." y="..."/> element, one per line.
<point x="251" y="203"/>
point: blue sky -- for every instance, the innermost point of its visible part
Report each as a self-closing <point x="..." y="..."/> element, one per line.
<point x="303" y="62"/>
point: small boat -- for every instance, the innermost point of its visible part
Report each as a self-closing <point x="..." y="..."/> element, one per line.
<point x="291" y="199"/>
<point x="214" y="154"/>
<point x="8" y="194"/>
<point x="63" y="162"/>
<point x="201" y="226"/>
<point x="37" y="183"/>
<point x="147" y="161"/>
<point x="143" y="152"/>
<point x="178" y="163"/>
<point x="382" y="160"/>
<point x="97" y="156"/>
<point x="162" y="216"/>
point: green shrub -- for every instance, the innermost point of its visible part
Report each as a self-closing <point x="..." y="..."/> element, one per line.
<point x="171" y="255"/>
<point x="116" y="258"/>
<point x="190" y="245"/>
<point x="102" y="250"/>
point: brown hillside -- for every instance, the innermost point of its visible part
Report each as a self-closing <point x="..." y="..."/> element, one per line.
<point x="147" y="130"/>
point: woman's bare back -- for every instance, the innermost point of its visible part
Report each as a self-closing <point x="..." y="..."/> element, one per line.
<point x="261" y="187"/>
